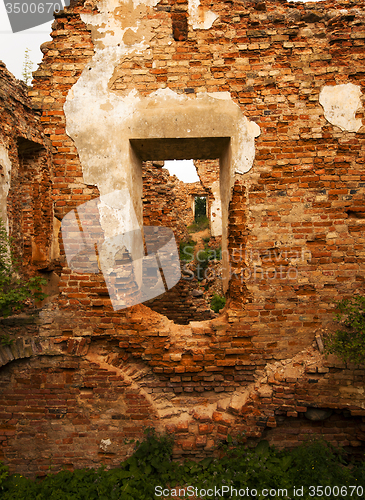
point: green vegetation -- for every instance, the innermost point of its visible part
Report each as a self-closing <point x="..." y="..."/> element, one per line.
<point x="186" y="249"/>
<point x="150" y="469"/>
<point x="202" y="257"/>
<point x="349" y="342"/>
<point x="14" y="290"/>
<point x="200" y="207"/>
<point x="5" y="340"/>
<point x="27" y="68"/>
<point x="217" y="303"/>
<point x="199" y="224"/>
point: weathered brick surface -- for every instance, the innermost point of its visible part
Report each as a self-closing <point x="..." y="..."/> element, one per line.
<point x="69" y="411"/>
<point x="295" y="237"/>
<point x="29" y="206"/>
<point x="168" y="202"/>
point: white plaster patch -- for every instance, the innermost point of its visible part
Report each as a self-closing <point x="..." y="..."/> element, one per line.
<point x="111" y="208"/>
<point x="220" y="95"/>
<point x="5" y="171"/>
<point x="340" y="103"/>
<point x="115" y="18"/>
<point x="200" y="17"/>
<point x="101" y="121"/>
<point x="216" y="211"/>
<point x="105" y="443"/>
<point x="247" y="132"/>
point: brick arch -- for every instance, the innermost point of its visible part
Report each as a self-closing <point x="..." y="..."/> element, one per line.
<point x="68" y="411"/>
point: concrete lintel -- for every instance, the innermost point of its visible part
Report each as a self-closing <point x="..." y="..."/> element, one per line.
<point x="199" y="148"/>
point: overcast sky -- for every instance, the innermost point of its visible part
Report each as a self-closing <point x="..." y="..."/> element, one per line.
<point x="13" y="45"/>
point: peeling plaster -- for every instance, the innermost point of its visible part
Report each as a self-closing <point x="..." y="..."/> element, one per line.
<point x="5" y="171"/>
<point x="119" y="22"/>
<point x="105" y="149"/>
<point x="199" y="17"/>
<point x="102" y="137"/>
<point x="90" y="102"/>
<point x="101" y="122"/>
<point x="104" y="444"/>
<point x="216" y="211"/>
<point x="340" y="103"/>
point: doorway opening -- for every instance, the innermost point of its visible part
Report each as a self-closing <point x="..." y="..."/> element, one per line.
<point x="200" y="208"/>
<point x="183" y="206"/>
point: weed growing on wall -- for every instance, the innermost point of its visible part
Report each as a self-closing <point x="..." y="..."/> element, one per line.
<point x="27" y="68"/>
<point x="217" y="303"/>
<point x="202" y="257"/>
<point x="261" y="472"/>
<point x="200" y="224"/>
<point x="186" y="249"/>
<point x="349" y="342"/>
<point x="15" y="290"/>
<point x="200" y="207"/>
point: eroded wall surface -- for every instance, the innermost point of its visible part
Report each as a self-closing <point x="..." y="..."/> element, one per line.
<point x="267" y="75"/>
<point x="25" y="176"/>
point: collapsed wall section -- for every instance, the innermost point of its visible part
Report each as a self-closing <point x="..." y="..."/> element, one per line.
<point x="167" y="201"/>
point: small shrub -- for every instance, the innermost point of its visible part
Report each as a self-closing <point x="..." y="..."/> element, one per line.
<point x="5" y="340"/>
<point x="200" y="207"/>
<point x="200" y="224"/>
<point x="4" y="474"/>
<point x="318" y="462"/>
<point x="203" y="258"/>
<point x="217" y="303"/>
<point x="14" y="290"/>
<point x="349" y="342"/>
<point x="310" y="465"/>
<point x="186" y="250"/>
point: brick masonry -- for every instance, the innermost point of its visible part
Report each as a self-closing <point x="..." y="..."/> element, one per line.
<point x="29" y="206"/>
<point x="295" y="238"/>
<point x="168" y="202"/>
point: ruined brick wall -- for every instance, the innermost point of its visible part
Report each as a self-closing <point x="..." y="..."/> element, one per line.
<point x="26" y="172"/>
<point x="294" y="236"/>
<point x="167" y="202"/>
<point x="51" y="403"/>
<point x="209" y="173"/>
<point x="184" y="302"/>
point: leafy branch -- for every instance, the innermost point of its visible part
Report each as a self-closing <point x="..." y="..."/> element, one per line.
<point x="349" y="342"/>
<point x="15" y="290"/>
<point x="27" y="68"/>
